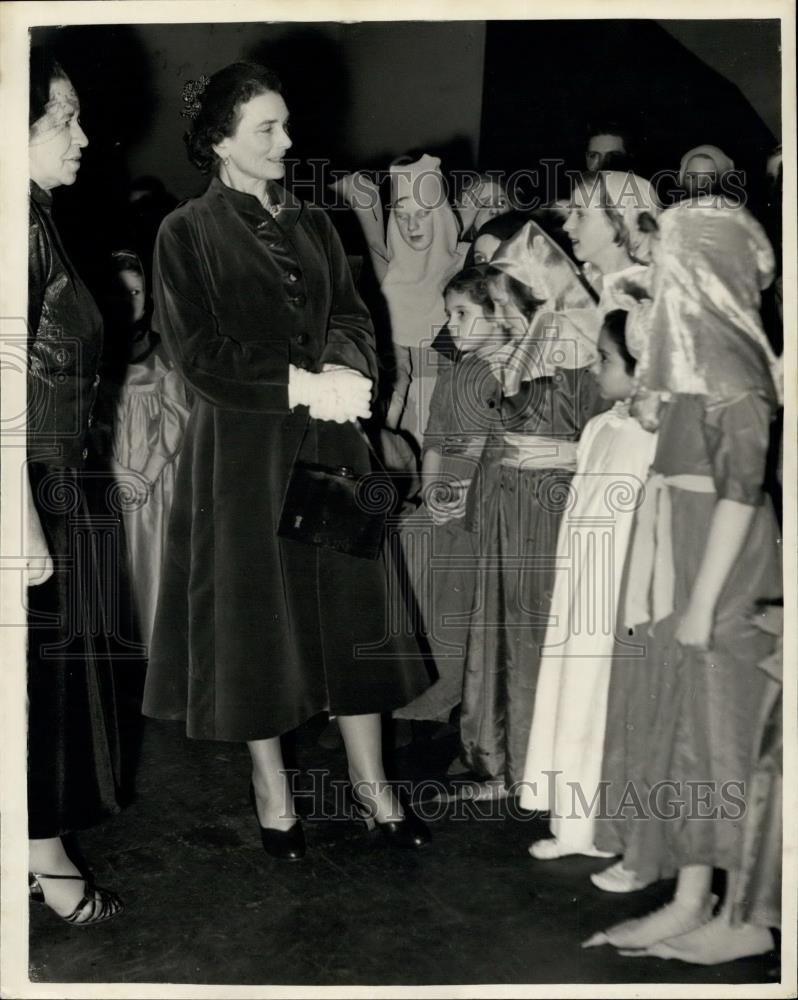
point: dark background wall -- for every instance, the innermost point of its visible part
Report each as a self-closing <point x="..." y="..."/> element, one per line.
<point x="358" y="93"/>
<point x="498" y="94"/>
<point x="545" y="80"/>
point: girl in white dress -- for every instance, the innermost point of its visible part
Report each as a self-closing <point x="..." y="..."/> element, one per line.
<point x="563" y="764"/>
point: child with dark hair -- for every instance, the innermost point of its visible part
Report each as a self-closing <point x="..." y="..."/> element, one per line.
<point x="490" y="235"/>
<point x="567" y="732"/>
<point x="516" y="502"/>
<point x="463" y="413"/>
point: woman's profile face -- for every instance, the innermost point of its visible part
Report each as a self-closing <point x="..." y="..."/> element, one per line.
<point x="56" y="140"/>
<point x="257" y="147"/>
<point x="415" y="223"/>
<point x="588" y="227"/>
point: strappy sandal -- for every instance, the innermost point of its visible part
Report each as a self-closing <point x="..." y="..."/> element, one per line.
<point x="99" y="904"/>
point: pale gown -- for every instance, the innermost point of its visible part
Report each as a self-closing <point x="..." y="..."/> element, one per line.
<point x="567" y="732"/>
<point x="150" y="415"/>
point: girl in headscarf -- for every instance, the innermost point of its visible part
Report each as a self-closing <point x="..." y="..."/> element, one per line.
<point x="705" y="553"/>
<point x="516" y="500"/>
<point x="423" y="253"/>
<point x="412" y="260"/>
<point x="701" y="170"/>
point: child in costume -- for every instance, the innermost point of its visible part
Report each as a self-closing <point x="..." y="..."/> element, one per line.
<point x="705" y="553"/>
<point x="567" y="733"/>
<point x="463" y="413"/>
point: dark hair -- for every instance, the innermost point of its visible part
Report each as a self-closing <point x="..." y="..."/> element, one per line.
<point x="501" y="227"/>
<point x="220" y="102"/>
<point x="472" y="281"/>
<point x="44" y="68"/>
<point x="610" y="127"/>
<point x="521" y="294"/>
<point x="614" y="325"/>
<point x="125" y="260"/>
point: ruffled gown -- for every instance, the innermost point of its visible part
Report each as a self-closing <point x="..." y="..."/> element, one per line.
<point x="150" y="413"/>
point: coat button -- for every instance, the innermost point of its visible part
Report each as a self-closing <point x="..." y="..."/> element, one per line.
<point x="85" y="454"/>
<point x="300" y="338"/>
<point x="293" y="275"/>
<point x="297" y="300"/>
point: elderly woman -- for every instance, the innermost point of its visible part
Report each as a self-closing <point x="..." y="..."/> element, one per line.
<point x="72" y="729"/>
<point x="255" y="633"/>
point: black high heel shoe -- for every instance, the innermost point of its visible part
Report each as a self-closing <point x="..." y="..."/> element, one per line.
<point x="409" y="832"/>
<point x="99" y="904"/>
<point x="285" y="845"/>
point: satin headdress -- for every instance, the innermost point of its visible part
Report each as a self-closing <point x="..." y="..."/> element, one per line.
<point x="723" y="163"/>
<point x="564" y="330"/>
<point x="705" y="333"/>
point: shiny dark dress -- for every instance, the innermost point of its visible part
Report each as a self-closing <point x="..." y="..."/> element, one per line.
<point x="516" y="505"/>
<point x="255" y="634"/>
<point x="683" y="721"/>
<point x="73" y="754"/>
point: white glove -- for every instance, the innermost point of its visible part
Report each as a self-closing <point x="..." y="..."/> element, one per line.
<point x="38" y="561"/>
<point x="336" y="393"/>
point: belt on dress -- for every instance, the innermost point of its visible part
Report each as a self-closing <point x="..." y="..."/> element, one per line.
<point x="651" y="576"/>
<point x="535" y="451"/>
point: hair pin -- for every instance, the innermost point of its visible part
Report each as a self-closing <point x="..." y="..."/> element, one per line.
<point x="192" y="92"/>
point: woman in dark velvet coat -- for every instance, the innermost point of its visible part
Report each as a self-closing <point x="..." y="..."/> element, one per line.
<point x="255" y="634"/>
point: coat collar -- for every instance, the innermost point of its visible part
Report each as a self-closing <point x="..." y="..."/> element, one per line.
<point x="251" y="210"/>
<point x="40" y="196"/>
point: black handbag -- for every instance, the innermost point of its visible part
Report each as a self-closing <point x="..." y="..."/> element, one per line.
<point x="336" y="508"/>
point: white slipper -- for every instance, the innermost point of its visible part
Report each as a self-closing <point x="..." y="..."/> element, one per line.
<point x="672" y="920"/>
<point x="714" y="943"/>
<point x="616" y="878"/>
<point x="550" y="849"/>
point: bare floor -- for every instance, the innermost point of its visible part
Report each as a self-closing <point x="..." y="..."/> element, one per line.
<point x="206" y="905"/>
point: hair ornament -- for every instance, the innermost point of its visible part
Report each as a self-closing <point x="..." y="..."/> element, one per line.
<point x="192" y="92"/>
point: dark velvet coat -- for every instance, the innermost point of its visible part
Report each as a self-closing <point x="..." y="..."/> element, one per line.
<point x="255" y="634"/>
